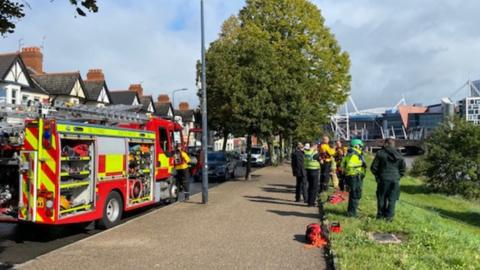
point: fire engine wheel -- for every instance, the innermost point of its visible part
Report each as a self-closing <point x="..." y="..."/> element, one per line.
<point x="173" y="193"/>
<point x="112" y="211"/>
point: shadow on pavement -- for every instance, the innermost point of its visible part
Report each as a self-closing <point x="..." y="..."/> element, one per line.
<point x="275" y="202"/>
<point x="282" y="185"/>
<point x="277" y="190"/>
<point x="295" y="214"/>
<point x="267" y="198"/>
<point x="41" y="234"/>
<point x="300" y="238"/>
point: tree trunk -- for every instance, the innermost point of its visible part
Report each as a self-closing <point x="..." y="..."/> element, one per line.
<point x="225" y="139"/>
<point x="270" y="152"/>
<point x="282" y="157"/>
<point x="290" y="147"/>
<point x="249" y="156"/>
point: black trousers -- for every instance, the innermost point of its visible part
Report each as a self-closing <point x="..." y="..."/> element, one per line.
<point x="388" y="193"/>
<point x="325" y="176"/>
<point x="312" y="178"/>
<point x="342" y="181"/>
<point x="301" y="189"/>
<point x="355" y="184"/>
<point x="183" y="182"/>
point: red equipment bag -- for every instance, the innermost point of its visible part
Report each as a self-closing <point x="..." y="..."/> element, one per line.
<point x="81" y="150"/>
<point x="335" y="227"/>
<point x="312" y="233"/>
<point x="313" y="236"/>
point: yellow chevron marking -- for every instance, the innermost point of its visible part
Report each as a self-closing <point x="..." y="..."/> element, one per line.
<point x="31" y="139"/>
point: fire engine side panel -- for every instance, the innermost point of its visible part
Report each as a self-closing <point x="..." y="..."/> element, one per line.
<point x="40" y="136"/>
<point x="27" y="192"/>
<point x="111" y="168"/>
<point x="111" y="158"/>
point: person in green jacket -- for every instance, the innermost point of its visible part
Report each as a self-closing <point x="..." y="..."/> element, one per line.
<point x="354" y="166"/>
<point x="388" y="167"/>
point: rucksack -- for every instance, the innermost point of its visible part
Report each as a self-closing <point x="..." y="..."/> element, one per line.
<point x="313" y="233"/>
<point x="314" y="237"/>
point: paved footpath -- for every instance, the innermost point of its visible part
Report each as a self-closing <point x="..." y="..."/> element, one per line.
<point x="246" y="225"/>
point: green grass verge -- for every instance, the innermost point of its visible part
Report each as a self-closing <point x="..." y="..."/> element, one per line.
<point x="440" y="232"/>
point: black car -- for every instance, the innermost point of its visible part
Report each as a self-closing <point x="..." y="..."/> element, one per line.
<point x="221" y="165"/>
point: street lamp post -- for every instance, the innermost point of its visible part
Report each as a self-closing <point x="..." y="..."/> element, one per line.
<point x="173" y="98"/>
<point x="204" y="113"/>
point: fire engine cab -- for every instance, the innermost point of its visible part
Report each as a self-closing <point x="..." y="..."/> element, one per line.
<point x="73" y="172"/>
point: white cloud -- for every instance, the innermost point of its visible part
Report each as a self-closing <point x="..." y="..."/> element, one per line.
<point x="421" y="49"/>
<point x="132" y="41"/>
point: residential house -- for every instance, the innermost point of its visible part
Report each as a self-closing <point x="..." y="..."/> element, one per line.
<point x="187" y="118"/>
<point x="97" y="89"/>
<point x="148" y="104"/>
<point x="16" y="84"/>
<point x="124" y="97"/>
<point x="66" y="87"/>
<point x="133" y="97"/>
<point x="163" y="107"/>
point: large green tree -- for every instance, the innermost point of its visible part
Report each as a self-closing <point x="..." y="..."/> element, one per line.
<point x="314" y="72"/>
<point x="13" y="10"/>
<point x="288" y="74"/>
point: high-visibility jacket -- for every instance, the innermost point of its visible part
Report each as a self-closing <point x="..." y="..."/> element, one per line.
<point x="353" y="163"/>
<point x="311" y="160"/>
<point x="181" y="160"/>
<point x="326" y="152"/>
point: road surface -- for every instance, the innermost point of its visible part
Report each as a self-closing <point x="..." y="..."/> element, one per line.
<point x="16" y="248"/>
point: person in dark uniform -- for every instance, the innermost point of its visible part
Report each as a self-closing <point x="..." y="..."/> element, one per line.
<point x="388" y="167"/>
<point x="298" y="170"/>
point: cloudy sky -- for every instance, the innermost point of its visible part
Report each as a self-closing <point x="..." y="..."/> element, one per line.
<point x="420" y="49"/>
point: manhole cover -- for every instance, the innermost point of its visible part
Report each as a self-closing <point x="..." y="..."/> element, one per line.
<point x="384" y="238"/>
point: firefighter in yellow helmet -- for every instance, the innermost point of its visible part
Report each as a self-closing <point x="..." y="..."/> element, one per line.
<point x="182" y="164"/>
<point x="354" y="167"/>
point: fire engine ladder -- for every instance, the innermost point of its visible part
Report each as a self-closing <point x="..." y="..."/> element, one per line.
<point x="83" y="113"/>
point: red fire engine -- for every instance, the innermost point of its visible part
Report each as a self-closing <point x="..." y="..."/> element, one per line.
<point x="73" y="171"/>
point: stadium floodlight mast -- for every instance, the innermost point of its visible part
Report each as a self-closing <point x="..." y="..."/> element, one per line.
<point x="204" y="112"/>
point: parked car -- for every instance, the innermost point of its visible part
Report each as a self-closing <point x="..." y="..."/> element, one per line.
<point x="259" y="157"/>
<point x="221" y="166"/>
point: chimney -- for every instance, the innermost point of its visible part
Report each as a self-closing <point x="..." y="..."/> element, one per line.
<point x="136" y="88"/>
<point x="33" y="58"/>
<point x="163" y="99"/>
<point x="95" y="75"/>
<point x="183" y="106"/>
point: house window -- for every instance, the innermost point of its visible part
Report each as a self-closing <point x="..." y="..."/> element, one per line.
<point x="14" y="96"/>
<point x="24" y="99"/>
<point x="3" y="94"/>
